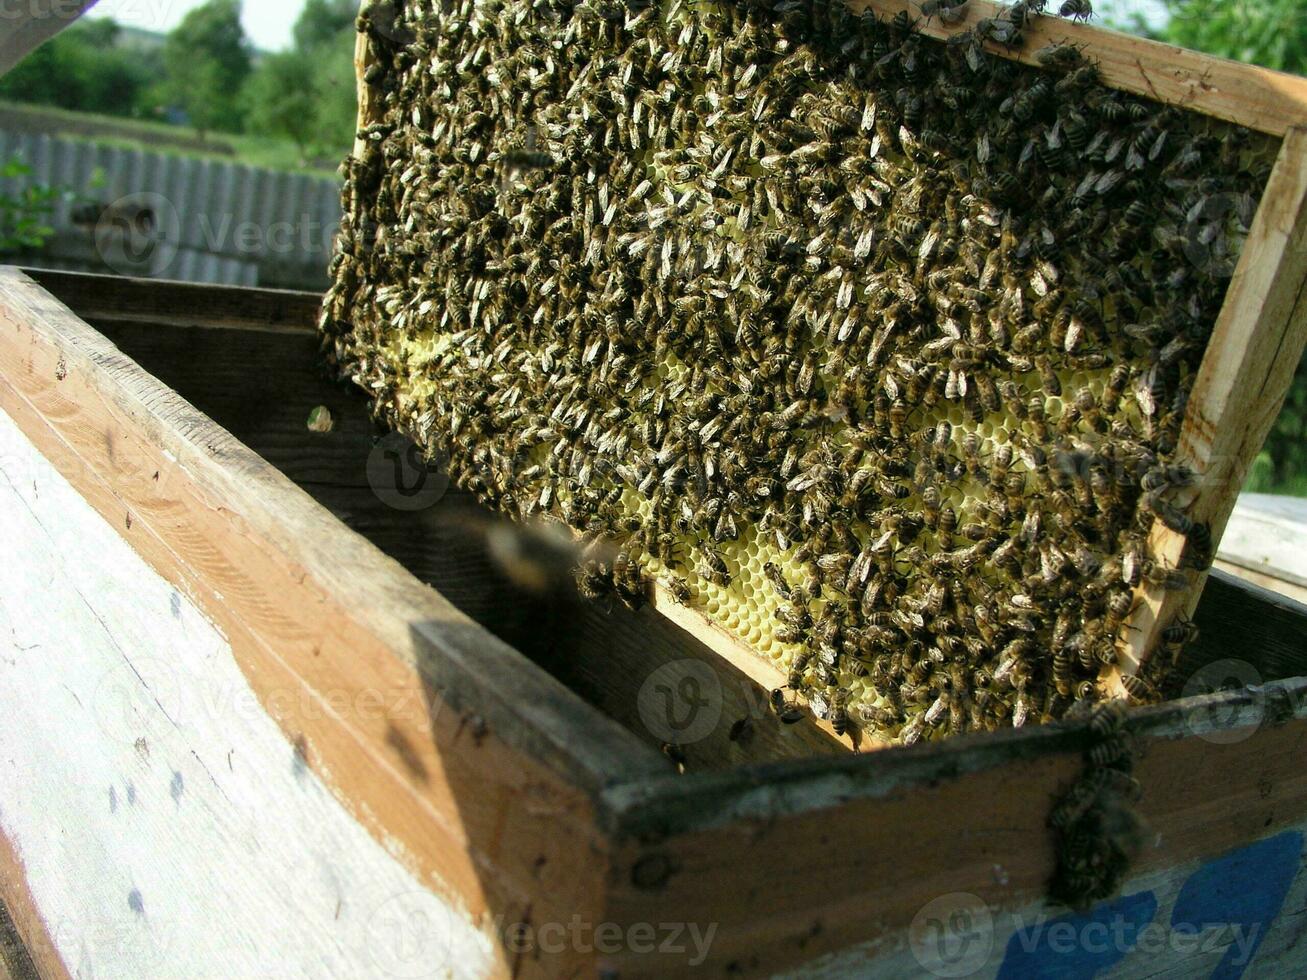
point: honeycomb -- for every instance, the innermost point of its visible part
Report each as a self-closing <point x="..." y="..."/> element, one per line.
<point x="873" y="350"/>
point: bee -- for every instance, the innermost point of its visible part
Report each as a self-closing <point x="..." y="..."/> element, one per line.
<point x="839" y="715"/>
<point x="594" y="580"/>
<point x="787" y="709"/>
<point x="1178" y="633"/>
<point x="714" y="568"/>
<point x="680" y="590"/>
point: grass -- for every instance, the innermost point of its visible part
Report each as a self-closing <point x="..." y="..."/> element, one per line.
<point x="254" y="151"/>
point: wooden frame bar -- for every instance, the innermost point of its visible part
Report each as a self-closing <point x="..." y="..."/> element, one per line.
<point x="1258" y="339"/>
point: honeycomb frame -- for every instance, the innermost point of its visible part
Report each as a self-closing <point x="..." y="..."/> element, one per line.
<point x="745" y="616"/>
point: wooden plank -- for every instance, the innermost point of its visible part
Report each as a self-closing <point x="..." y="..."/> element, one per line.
<point x="106" y="299"/>
<point x="310" y="607"/>
<point x="1243" y="621"/>
<point x="1245" y="374"/>
<point x="793" y="862"/>
<point x="260" y="386"/>
<point x="30" y="24"/>
<point x="1296" y="592"/>
<point x="195" y="837"/>
<point x="1268" y="535"/>
<point x="1270" y="101"/>
<point x="30" y="926"/>
<point x="15" y="963"/>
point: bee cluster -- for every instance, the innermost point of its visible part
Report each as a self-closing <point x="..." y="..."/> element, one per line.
<point x="873" y="349"/>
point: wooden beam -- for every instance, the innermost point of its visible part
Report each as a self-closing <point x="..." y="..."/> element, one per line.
<point x="312" y="610"/>
<point x="26" y="26"/>
<point x="792" y="861"/>
<point x="1254" y="350"/>
<point x="1259" y="98"/>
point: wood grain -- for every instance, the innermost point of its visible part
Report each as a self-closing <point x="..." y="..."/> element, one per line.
<point x="260" y="386"/>
<point x="309" y="606"/>
<point x="791" y="865"/>
<point x="1270" y="101"/>
<point x="142" y="735"/>
<point x="1245" y="374"/>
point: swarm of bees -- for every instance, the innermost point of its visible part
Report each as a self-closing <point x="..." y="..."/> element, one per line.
<point x="873" y="349"/>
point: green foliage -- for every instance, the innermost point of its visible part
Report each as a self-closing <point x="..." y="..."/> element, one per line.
<point x="308" y="95"/>
<point x="24" y="214"/>
<point x="322" y="22"/>
<point x="1271" y="33"/>
<point x="207" y="60"/>
<point x="82" y="69"/>
<point x="281" y="98"/>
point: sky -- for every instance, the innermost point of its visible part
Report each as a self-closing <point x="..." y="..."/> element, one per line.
<point x="268" y="23"/>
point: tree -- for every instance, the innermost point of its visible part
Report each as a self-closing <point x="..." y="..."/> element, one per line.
<point x="322" y="21"/>
<point x="1271" y="33"/>
<point x="82" y="69"/>
<point x="281" y="98"/>
<point x="24" y="214"/>
<point x="207" y="61"/>
<point x="308" y="94"/>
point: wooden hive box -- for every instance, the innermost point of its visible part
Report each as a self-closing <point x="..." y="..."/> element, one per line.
<point x="269" y="748"/>
<point x="286" y="723"/>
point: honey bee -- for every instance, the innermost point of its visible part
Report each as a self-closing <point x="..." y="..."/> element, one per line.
<point x="787" y="709"/>
<point x="680" y="590"/>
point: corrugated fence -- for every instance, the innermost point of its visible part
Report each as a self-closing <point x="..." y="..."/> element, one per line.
<point x="161" y="216"/>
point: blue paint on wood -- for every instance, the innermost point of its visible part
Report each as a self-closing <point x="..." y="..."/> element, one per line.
<point x="1078" y="947"/>
<point x="1239" y="893"/>
<point x="1242" y="890"/>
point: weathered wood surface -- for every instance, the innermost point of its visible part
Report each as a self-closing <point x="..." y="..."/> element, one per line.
<point x="26" y="26"/>
<point x="260" y="385"/>
<point x="1269" y="101"/>
<point x="865" y="843"/>
<point x="15" y="963"/>
<point x="195" y="838"/>
<point x="1245" y="374"/>
<point x="817" y="864"/>
<point x="1268" y="534"/>
<point x="310" y="607"/>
